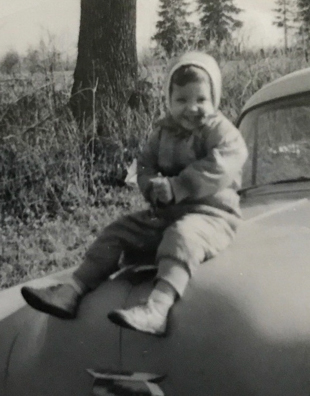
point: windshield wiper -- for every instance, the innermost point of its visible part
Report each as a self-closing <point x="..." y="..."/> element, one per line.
<point x="284" y="181"/>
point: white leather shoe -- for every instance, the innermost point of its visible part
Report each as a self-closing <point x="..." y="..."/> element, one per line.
<point x="145" y="317"/>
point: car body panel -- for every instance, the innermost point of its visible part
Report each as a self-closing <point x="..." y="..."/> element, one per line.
<point x="242" y="328"/>
<point x="49" y="356"/>
<point x="295" y="83"/>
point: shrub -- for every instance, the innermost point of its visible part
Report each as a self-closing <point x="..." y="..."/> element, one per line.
<point x="10" y="63"/>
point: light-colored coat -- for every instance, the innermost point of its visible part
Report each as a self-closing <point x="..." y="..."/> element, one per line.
<point x="204" y="167"/>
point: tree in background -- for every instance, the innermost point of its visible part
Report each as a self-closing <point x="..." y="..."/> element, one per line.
<point x="303" y="18"/>
<point x="106" y="67"/>
<point x="173" y="25"/>
<point x="218" y="20"/>
<point x="285" y="17"/>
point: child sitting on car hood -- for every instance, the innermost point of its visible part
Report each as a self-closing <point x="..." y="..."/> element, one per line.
<point x="189" y="171"/>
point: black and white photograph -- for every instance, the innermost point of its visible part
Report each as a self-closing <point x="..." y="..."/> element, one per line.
<point x="154" y="198"/>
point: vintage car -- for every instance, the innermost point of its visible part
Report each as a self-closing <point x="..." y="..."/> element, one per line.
<point x="243" y="326"/>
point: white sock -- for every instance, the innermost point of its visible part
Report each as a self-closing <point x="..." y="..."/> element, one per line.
<point x="164" y="295"/>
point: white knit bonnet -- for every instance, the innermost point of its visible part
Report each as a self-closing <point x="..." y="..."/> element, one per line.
<point x="203" y="61"/>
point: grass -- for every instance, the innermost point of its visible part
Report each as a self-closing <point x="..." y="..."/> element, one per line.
<point x="35" y="247"/>
<point x="59" y="185"/>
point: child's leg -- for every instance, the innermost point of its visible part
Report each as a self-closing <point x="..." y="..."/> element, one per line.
<point x="185" y="245"/>
<point x="137" y="231"/>
<point x="151" y="316"/>
<point x="102" y="258"/>
<point x="190" y="241"/>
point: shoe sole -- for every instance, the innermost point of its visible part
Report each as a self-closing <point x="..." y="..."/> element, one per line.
<point x="119" y="320"/>
<point x="36" y="303"/>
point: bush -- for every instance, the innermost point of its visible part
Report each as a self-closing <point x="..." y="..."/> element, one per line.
<point x="10" y="63"/>
<point x="50" y="165"/>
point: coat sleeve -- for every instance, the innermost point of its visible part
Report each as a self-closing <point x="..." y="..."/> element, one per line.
<point x="222" y="166"/>
<point x="147" y="164"/>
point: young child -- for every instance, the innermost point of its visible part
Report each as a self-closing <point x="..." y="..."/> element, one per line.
<point x="190" y="171"/>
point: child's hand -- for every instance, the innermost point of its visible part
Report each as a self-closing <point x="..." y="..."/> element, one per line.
<point x="161" y="190"/>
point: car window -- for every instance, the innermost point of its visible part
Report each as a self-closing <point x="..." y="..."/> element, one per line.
<point x="278" y="139"/>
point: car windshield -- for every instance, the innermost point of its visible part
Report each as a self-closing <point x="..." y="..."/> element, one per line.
<point x="278" y="138"/>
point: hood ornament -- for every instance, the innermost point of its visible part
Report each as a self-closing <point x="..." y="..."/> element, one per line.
<point x="120" y="383"/>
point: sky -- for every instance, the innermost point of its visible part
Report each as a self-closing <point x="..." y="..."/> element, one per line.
<point x="24" y="22"/>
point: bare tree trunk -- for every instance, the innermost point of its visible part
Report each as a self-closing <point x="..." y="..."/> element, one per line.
<point x="107" y="56"/>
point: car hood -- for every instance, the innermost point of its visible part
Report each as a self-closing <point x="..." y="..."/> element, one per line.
<point x="242" y="328"/>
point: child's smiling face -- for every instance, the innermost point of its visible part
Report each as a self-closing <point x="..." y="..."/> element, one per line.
<point x="191" y="104"/>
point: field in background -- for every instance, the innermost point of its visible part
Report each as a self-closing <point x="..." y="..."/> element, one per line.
<point x="60" y="185"/>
